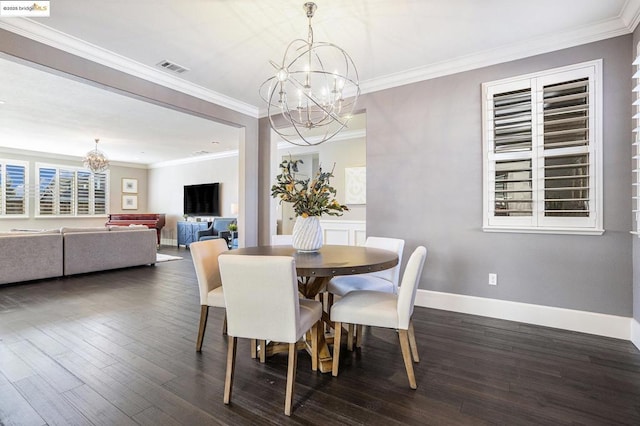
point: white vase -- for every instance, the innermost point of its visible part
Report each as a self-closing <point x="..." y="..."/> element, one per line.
<point x="307" y="234"/>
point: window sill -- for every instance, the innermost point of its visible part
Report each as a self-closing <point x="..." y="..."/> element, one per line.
<point x="560" y="231"/>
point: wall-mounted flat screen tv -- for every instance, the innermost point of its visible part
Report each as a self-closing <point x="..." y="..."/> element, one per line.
<point x="202" y="200"/>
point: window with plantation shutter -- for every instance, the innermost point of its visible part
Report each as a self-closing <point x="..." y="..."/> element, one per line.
<point x="542" y="149"/>
<point x="13" y="189"/>
<point x="67" y="191"/>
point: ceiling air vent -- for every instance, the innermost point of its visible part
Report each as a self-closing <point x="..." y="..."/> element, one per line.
<point x="173" y="67"/>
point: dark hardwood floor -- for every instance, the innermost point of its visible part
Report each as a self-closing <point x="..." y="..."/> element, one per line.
<point x="118" y="348"/>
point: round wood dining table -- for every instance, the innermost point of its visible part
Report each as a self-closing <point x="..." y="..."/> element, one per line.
<point x="315" y="269"/>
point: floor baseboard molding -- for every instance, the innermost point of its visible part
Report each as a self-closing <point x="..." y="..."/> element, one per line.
<point x="568" y="319"/>
<point x="635" y="333"/>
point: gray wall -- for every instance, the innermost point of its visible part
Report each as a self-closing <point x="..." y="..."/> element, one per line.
<point x="424" y="146"/>
<point x="636" y="240"/>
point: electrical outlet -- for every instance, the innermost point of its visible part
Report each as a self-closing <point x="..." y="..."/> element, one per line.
<point x="493" y="279"/>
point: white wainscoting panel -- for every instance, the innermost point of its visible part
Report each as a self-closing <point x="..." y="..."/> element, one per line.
<point x="344" y="232"/>
<point x="635" y="333"/>
<point x="548" y="316"/>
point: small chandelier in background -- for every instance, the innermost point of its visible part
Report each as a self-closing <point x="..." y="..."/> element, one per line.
<point x="95" y="160"/>
<point x="309" y="90"/>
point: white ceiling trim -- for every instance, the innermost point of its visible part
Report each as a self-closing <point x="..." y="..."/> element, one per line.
<point x="199" y="158"/>
<point x="53" y="156"/>
<point x="43" y="34"/>
<point x="622" y="25"/>
<point x="630" y="14"/>
<point x="342" y="136"/>
<point x="612" y="28"/>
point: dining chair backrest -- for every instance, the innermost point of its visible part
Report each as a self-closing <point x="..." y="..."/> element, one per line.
<point x="395" y="245"/>
<point x="409" y="286"/>
<point x="205" y="260"/>
<point x="261" y="294"/>
<point x="281" y="240"/>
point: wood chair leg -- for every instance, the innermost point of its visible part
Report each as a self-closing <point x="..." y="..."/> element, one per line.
<point x="336" y="349"/>
<point x="204" y="314"/>
<point x="224" y="324"/>
<point x="254" y="349"/>
<point x="328" y="310"/>
<point x="231" y="365"/>
<point x="406" y="356"/>
<point x="412" y="343"/>
<point x="291" y="377"/>
<point x="359" y="334"/>
<point x="263" y="351"/>
<point x="350" y="335"/>
<point x="314" y="345"/>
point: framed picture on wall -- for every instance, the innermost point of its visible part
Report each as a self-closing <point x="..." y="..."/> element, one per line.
<point x="130" y="185"/>
<point x="355" y="182"/>
<point x="129" y="202"/>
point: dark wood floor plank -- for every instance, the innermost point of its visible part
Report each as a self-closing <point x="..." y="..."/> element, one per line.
<point x="113" y="391"/>
<point x="96" y="408"/>
<point x="54" y="408"/>
<point x="14" y="408"/>
<point x="79" y="346"/>
<point x="163" y="399"/>
<point x="12" y="365"/>
<point x="57" y="376"/>
<point x="150" y="370"/>
<point x="153" y="416"/>
<point x="119" y="347"/>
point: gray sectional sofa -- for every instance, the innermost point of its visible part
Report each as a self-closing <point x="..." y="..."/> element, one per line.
<point x="26" y="256"/>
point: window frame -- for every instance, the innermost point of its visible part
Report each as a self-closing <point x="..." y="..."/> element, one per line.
<point x="538" y="222"/>
<point x="3" y="178"/>
<point x="75" y="193"/>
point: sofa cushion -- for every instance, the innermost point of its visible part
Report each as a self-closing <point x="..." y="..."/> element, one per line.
<point x="30" y="256"/>
<point x="68" y="229"/>
<point x="15" y="231"/>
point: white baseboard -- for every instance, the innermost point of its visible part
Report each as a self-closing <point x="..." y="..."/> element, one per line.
<point x="635" y="333"/>
<point x="567" y="319"/>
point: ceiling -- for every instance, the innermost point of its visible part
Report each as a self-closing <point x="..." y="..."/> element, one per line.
<point x="227" y="45"/>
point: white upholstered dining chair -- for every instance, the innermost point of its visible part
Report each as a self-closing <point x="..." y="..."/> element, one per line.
<point x="388" y="310"/>
<point x="205" y="260"/>
<point x="262" y="301"/>
<point x="385" y="281"/>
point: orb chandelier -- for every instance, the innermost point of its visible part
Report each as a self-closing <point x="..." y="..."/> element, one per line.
<point x="95" y="160"/>
<point x="314" y="89"/>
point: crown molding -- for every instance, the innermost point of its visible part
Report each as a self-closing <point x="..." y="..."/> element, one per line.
<point x="59" y="40"/>
<point x="630" y="14"/>
<point x="588" y="34"/>
<point x="198" y="159"/>
<point x="64" y="157"/>
<point x="623" y="24"/>
<point x="342" y="136"/>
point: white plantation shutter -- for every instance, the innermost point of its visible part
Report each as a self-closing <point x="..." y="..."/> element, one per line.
<point x="13" y="188"/>
<point x="83" y="183"/>
<point x="47" y="191"/>
<point x="542" y="144"/>
<point x="99" y="193"/>
<point x="64" y="191"/>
